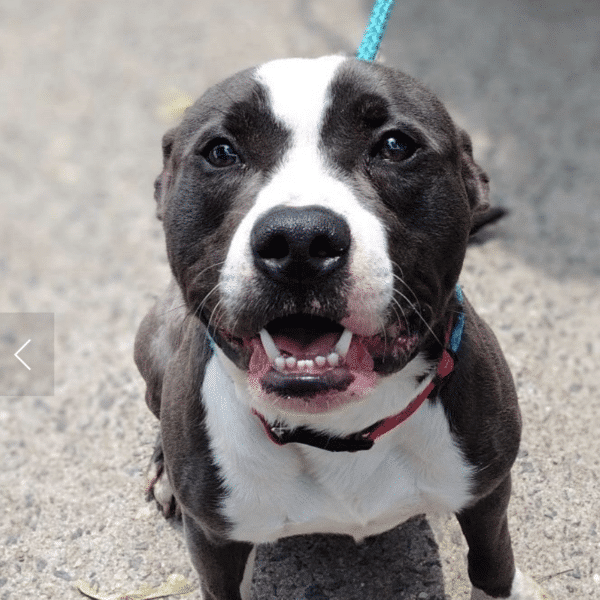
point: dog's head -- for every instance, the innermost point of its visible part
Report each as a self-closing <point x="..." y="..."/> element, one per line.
<point x="317" y="214"/>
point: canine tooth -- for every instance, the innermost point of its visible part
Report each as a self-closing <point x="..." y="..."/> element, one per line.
<point x="280" y="363"/>
<point x="269" y="345"/>
<point x="290" y="362"/>
<point x="333" y="359"/>
<point x="344" y="343"/>
<point x="320" y="360"/>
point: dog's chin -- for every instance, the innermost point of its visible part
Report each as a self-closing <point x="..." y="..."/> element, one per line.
<point x="308" y="364"/>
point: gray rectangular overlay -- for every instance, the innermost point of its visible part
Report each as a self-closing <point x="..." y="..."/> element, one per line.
<point x="26" y="354"/>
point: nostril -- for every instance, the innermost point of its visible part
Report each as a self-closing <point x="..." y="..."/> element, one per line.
<point x="322" y="246"/>
<point x="274" y="248"/>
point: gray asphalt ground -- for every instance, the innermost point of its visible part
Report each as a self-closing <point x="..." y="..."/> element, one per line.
<point x="83" y="88"/>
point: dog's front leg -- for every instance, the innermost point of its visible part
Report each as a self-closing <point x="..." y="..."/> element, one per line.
<point x="491" y="563"/>
<point x="224" y="567"/>
<point x="485" y="527"/>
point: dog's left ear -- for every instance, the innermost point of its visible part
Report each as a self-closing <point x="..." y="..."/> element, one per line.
<point x="477" y="184"/>
<point x="163" y="182"/>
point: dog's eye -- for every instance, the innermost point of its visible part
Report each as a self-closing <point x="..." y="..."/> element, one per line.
<point x="396" y="148"/>
<point x="221" y="154"/>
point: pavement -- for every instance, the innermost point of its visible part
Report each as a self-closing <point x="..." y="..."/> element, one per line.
<point x="84" y="97"/>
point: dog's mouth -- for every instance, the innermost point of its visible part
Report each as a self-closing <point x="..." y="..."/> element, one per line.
<point x="306" y="356"/>
<point x="314" y="364"/>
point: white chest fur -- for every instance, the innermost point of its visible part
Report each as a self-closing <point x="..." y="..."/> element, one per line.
<point x="278" y="491"/>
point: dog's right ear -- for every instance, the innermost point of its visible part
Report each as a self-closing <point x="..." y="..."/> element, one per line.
<point x="162" y="183"/>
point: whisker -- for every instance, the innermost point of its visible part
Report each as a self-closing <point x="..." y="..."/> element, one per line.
<point x="202" y="304"/>
<point x="180" y="306"/>
<point x="173" y="308"/>
<point x="401" y="280"/>
<point x="395" y="304"/>
<point x="214" y="323"/>
<point x="393" y="307"/>
<point x="418" y="313"/>
<point x="213" y="266"/>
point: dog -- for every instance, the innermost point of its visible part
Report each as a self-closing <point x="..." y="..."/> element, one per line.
<point x="313" y="364"/>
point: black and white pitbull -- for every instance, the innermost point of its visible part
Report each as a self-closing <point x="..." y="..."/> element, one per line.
<point x="313" y="364"/>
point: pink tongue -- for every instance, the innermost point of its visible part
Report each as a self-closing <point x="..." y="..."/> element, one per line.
<point x="319" y="347"/>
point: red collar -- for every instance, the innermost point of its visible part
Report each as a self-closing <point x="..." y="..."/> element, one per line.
<point x="364" y="440"/>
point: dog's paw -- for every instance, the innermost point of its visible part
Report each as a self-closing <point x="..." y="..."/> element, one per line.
<point x="158" y="487"/>
<point x="523" y="588"/>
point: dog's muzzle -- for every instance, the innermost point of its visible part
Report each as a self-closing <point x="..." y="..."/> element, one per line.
<point x="302" y="355"/>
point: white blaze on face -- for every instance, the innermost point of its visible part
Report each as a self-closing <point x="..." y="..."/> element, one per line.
<point x="298" y="90"/>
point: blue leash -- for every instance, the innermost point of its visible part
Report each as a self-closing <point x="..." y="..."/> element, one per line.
<point x="382" y="9"/>
<point x="456" y="337"/>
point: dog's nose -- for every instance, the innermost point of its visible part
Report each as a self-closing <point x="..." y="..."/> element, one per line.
<point x="300" y="245"/>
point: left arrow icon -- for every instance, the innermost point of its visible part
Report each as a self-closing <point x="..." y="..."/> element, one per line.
<point x="19" y="358"/>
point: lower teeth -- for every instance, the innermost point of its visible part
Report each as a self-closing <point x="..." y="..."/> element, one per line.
<point x="306" y="364"/>
<point x="320" y="361"/>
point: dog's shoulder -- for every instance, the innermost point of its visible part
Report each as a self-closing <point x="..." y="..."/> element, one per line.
<point x="480" y="401"/>
<point x="481" y="355"/>
<point x="158" y="338"/>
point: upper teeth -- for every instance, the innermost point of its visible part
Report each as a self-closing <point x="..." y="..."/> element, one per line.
<point x="281" y="363"/>
<point x="269" y="345"/>
<point x="344" y="343"/>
